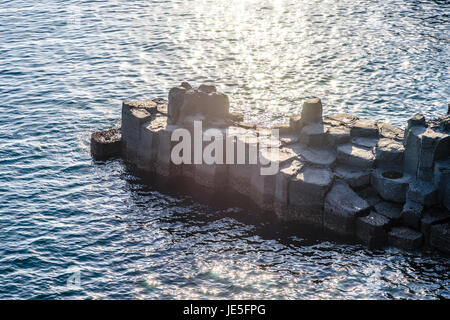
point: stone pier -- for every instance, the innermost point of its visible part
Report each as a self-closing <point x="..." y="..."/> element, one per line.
<point x="359" y="179"/>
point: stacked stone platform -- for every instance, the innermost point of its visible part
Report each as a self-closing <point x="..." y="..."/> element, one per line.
<point x="358" y="179"/>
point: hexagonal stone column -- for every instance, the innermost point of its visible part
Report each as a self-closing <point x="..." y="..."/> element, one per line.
<point x="342" y="207"/>
<point x="148" y="144"/>
<point x="372" y="230"/>
<point x="263" y="186"/>
<point x="307" y="192"/>
<point x="355" y="156"/>
<point x="132" y="119"/>
<point x="287" y="171"/>
<point x="405" y="238"/>
<point x="391" y="185"/>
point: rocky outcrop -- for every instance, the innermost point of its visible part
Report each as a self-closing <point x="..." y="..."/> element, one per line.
<point x="360" y="179"/>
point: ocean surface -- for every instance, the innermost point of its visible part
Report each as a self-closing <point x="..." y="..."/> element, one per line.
<point x="71" y="228"/>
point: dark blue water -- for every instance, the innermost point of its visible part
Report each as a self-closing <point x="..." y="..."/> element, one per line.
<point x="64" y="70"/>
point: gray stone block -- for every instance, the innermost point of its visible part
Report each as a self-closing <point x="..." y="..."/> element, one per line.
<point x="430" y="141"/>
<point x="312" y="111"/>
<point x="163" y="162"/>
<point x="442" y="181"/>
<point x="342" y="207"/>
<point x="440" y="237"/>
<point x="354" y="177"/>
<point x="405" y="238"/>
<point x="263" y="186"/>
<point x="413" y="144"/>
<point x="314" y="135"/>
<point x="391" y="185"/>
<point x="176" y="100"/>
<point x="370" y="195"/>
<point x="344" y="118"/>
<point x="365" y="142"/>
<point x="106" y="144"/>
<point x="355" y="156"/>
<point x="371" y="230"/>
<point x="132" y="119"/>
<point x="389" y="153"/>
<point x="148" y="144"/>
<point x="207" y="88"/>
<point x="412" y="214"/>
<point x="321" y="157"/>
<point x="338" y="135"/>
<point x="287" y="171"/>
<point x="393" y="211"/>
<point x="296" y="123"/>
<point x="432" y="217"/>
<point x="213" y="175"/>
<point x="364" y="128"/>
<point x="422" y="192"/>
<point x="307" y="192"/>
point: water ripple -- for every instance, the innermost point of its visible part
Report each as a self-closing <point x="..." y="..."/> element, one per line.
<point x="67" y="67"/>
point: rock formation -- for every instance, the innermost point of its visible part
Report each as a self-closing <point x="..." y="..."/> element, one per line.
<point x="359" y="179"/>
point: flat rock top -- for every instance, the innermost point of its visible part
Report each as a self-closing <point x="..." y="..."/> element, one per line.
<point x="143" y="104"/>
<point x="366" y="142"/>
<point x="356" y="151"/>
<point x="390" y="144"/>
<point x="442" y="229"/>
<point x="316" y="176"/>
<point x="389" y="210"/>
<point x="340" y="130"/>
<point x="107" y="136"/>
<point x="140" y="113"/>
<point x="343" y="118"/>
<point x="343" y="197"/>
<point x="318" y="156"/>
<point x="365" y="124"/>
<point x="389" y="131"/>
